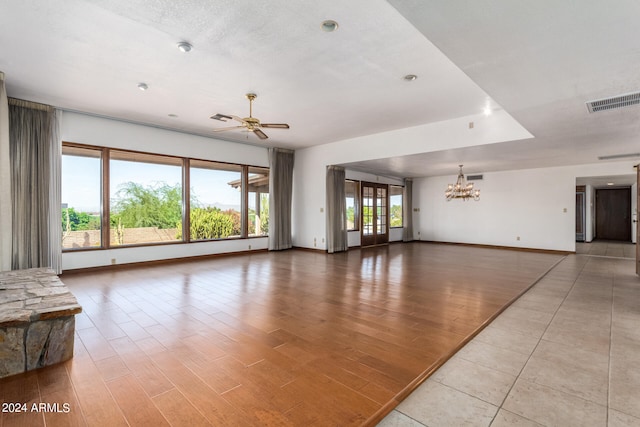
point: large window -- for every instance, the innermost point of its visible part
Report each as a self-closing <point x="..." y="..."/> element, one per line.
<point x="145" y="198"/>
<point x="81" y="198"/>
<point x="113" y="198"/>
<point x="216" y="200"/>
<point x="395" y="206"/>
<point x="352" y="191"/>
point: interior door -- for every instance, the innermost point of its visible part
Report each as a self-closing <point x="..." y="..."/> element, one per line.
<point x="374" y="214"/>
<point x="613" y="214"/>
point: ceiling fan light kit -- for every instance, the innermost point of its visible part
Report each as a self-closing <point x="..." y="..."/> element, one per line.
<point x="250" y="123"/>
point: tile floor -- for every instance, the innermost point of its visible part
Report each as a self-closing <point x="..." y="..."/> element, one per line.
<point x="567" y="353"/>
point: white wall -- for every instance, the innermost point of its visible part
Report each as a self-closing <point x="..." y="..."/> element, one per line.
<point x="309" y="224"/>
<point x="92" y="130"/>
<point x="529" y="204"/>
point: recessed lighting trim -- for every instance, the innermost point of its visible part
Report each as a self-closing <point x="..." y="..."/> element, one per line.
<point x="610" y="183"/>
<point x="185" y="47"/>
<point x="172" y="115"/>
<point x="410" y="77"/>
<point x="329" y="25"/>
<point x="143" y="86"/>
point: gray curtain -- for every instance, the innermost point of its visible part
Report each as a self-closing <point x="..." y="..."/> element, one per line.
<point x="5" y="181"/>
<point x="407" y="211"/>
<point x="33" y="138"/>
<point x="280" y="195"/>
<point x="337" y="240"/>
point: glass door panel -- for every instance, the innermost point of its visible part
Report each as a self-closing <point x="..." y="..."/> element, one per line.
<point x="375" y="214"/>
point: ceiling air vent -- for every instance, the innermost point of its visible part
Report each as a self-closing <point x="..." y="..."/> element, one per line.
<point x="613" y="103"/>
<point x="474" y="177"/>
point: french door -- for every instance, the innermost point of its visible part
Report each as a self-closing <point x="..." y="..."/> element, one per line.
<point x="374" y="214"/>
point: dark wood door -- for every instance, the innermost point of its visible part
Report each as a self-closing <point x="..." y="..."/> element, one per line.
<point x="375" y="214"/>
<point x="613" y="214"/>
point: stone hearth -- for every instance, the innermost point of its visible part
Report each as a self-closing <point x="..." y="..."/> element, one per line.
<point x="37" y="322"/>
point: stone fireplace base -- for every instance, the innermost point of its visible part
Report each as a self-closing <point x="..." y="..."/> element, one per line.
<point x="37" y="322"/>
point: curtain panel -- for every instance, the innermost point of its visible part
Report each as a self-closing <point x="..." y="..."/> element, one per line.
<point x="35" y="185"/>
<point x="280" y="197"/>
<point x="5" y="181"/>
<point x="337" y="238"/>
<point x="407" y="211"/>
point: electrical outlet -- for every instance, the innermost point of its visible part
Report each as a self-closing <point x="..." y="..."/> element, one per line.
<point x="249" y="246"/>
<point x="113" y="261"/>
<point x="517" y="237"/>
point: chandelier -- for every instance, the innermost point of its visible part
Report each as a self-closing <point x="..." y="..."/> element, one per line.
<point x="461" y="190"/>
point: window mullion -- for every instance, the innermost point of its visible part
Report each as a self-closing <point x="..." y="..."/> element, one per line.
<point x="245" y="203"/>
<point x="186" y="201"/>
<point x="105" y="228"/>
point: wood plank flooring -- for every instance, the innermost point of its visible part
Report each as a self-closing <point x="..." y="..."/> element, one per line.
<point x="289" y="338"/>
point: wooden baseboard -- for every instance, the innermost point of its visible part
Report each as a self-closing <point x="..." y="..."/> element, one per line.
<point x="125" y="266"/>
<point x="316" y="250"/>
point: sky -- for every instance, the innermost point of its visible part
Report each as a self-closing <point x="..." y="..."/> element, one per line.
<point x="81" y="181"/>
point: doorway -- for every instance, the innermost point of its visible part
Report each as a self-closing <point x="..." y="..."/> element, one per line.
<point x="580" y="213"/>
<point x="375" y="214"/>
<point x="613" y="214"/>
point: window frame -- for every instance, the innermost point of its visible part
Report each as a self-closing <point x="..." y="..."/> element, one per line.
<point x="399" y="188"/>
<point x="356" y="205"/>
<point x="68" y="150"/>
<point x="185" y="162"/>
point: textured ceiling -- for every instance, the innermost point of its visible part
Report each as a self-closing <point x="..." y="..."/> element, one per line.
<point x="539" y="61"/>
<point x="90" y="55"/>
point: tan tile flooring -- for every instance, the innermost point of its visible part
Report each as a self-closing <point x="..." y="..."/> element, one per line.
<point x="567" y="353"/>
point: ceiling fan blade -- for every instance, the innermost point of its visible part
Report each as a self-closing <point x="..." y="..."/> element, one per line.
<point x="227" y="128"/>
<point x="260" y="134"/>
<point x="275" y="125"/>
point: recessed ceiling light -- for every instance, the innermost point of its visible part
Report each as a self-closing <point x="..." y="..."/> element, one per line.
<point x="143" y="86"/>
<point x="487" y="111"/>
<point x="172" y="115"/>
<point x="610" y="183"/>
<point x="329" y="25"/>
<point x="185" y="47"/>
<point x="410" y="77"/>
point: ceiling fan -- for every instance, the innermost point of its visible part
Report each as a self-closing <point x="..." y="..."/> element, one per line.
<point x="250" y="123"/>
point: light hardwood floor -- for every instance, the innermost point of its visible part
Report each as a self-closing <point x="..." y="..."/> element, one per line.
<point x="286" y="338"/>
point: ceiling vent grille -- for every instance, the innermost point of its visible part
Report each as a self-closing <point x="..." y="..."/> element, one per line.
<point x="474" y="177"/>
<point x="613" y="103"/>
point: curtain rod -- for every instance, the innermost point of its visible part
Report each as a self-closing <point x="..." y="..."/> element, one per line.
<point x="29" y="104"/>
